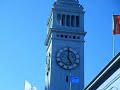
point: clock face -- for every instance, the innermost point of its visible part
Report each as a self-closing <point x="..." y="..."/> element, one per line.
<point x="67" y="58"/>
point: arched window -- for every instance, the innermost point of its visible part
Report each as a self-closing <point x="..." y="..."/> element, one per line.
<point x="77" y="21"/>
<point x="72" y="21"/>
<point x="63" y="20"/>
<point x="68" y="20"/>
<point x="59" y="19"/>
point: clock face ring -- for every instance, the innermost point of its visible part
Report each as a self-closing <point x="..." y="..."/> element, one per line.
<point x="67" y="58"/>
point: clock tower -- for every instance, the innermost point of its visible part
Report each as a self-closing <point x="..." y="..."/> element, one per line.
<point x="65" y="46"/>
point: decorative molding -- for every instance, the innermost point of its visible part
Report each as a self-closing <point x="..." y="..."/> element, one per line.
<point x="113" y="88"/>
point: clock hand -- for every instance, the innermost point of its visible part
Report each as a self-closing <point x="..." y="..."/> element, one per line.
<point x="68" y="54"/>
<point x="68" y="57"/>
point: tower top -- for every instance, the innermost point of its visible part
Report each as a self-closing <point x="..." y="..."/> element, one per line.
<point x="64" y="4"/>
<point x="68" y="5"/>
<point x="67" y="0"/>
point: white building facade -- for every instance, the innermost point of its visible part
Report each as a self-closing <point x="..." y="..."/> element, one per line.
<point x="108" y="78"/>
<point x="28" y="86"/>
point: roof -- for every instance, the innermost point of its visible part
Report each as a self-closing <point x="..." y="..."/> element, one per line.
<point x="109" y="69"/>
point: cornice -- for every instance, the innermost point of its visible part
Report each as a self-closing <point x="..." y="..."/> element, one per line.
<point x="62" y="31"/>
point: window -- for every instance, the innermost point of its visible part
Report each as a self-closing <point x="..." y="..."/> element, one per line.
<point x="77" y="21"/>
<point x="66" y="36"/>
<point x="61" y="36"/>
<point x="63" y="20"/>
<point x="66" y="78"/>
<point x="72" y="21"/>
<point x="69" y="36"/>
<point x="57" y="35"/>
<point x="74" y="37"/>
<point x="78" y="37"/>
<point x="59" y="19"/>
<point x="68" y="20"/>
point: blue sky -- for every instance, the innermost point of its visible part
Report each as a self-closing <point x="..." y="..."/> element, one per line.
<point x="23" y="31"/>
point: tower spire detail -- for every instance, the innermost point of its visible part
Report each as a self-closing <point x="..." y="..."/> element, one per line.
<point x="67" y="0"/>
<point x="68" y="3"/>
